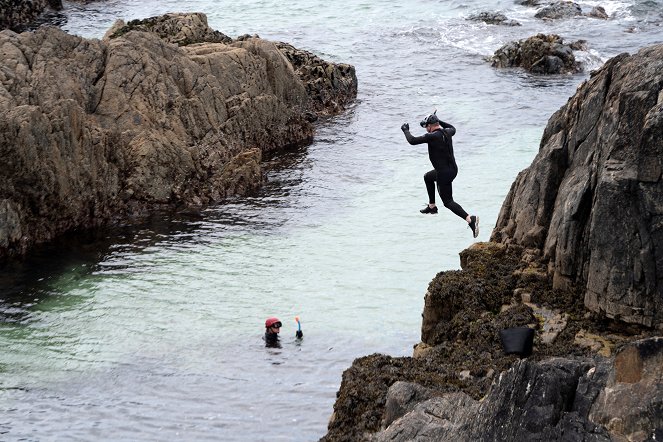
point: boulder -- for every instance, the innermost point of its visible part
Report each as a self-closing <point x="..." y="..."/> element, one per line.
<point x="540" y="54"/>
<point x="591" y="199"/>
<point x="163" y="112"/>
<point x="559" y="10"/>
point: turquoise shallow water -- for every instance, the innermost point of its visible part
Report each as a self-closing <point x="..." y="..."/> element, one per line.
<point x="153" y="332"/>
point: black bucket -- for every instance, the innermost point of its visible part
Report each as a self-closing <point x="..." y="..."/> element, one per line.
<point x="517" y="340"/>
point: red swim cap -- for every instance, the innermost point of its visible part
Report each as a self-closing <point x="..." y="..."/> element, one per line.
<point x="271" y="321"/>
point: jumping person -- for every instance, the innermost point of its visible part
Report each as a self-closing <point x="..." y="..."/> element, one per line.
<point x="441" y="153"/>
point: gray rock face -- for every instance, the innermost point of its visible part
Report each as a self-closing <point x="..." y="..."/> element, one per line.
<point x="402" y="398"/>
<point x="631" y="405"/>
<point x="620" y="398"/>
<point x="592" y="200"/>
<point x="96" y="130"/>
<point x="539" y="54"/>
<point x="436" y="419"/>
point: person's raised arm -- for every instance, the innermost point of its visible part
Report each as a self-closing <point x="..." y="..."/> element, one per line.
<point x="448" y="128"/>
<point x="411" y="138"/>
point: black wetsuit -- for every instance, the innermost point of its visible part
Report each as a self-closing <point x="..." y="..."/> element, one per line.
<point x="272" y="340"/>
<point x="441" y="154"/>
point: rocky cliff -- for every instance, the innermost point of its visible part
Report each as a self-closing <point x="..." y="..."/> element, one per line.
<point x="161" y="112"/>
<point x="576" y="256"/>
<point x="592" y="200"/>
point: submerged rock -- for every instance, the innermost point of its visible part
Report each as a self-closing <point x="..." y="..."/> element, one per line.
<point x="97" y="130"/>
<point x="493" y="18"/>
<point x="559" y="10"/>
<point x="530" y="2"/>
<point x="539" y="54"/>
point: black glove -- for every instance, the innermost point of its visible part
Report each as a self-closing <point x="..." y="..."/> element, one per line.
<point x="405" y="127"/>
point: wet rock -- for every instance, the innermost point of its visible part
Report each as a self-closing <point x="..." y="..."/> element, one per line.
<point x="598" y="12"/>
<point x="17" y="14"/>
<point x="530" y="2"/>
<point x="493" y="18"/>
<point x="163" y="113"/>
<point x="559" y="10"/>
<point x="540" y="54"/>
<point x="598" y="171"/>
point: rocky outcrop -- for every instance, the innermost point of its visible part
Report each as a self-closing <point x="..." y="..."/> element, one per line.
<point x="493" y="18"/>
<point x="540" y="54"/>
<point x="593" y="399"/>
<point x="591" y="200"/>
<point x="461" y="386"/>
<point x="574" y="256"/>
<point x="169" y="114"/>
<point x="331" y="86"/>
<point x="15" y="14"/>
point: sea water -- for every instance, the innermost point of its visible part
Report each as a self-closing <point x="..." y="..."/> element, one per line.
<point x="153" y="332"/>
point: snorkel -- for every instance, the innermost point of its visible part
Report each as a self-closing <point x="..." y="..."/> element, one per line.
<point x="298" y="333"/>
